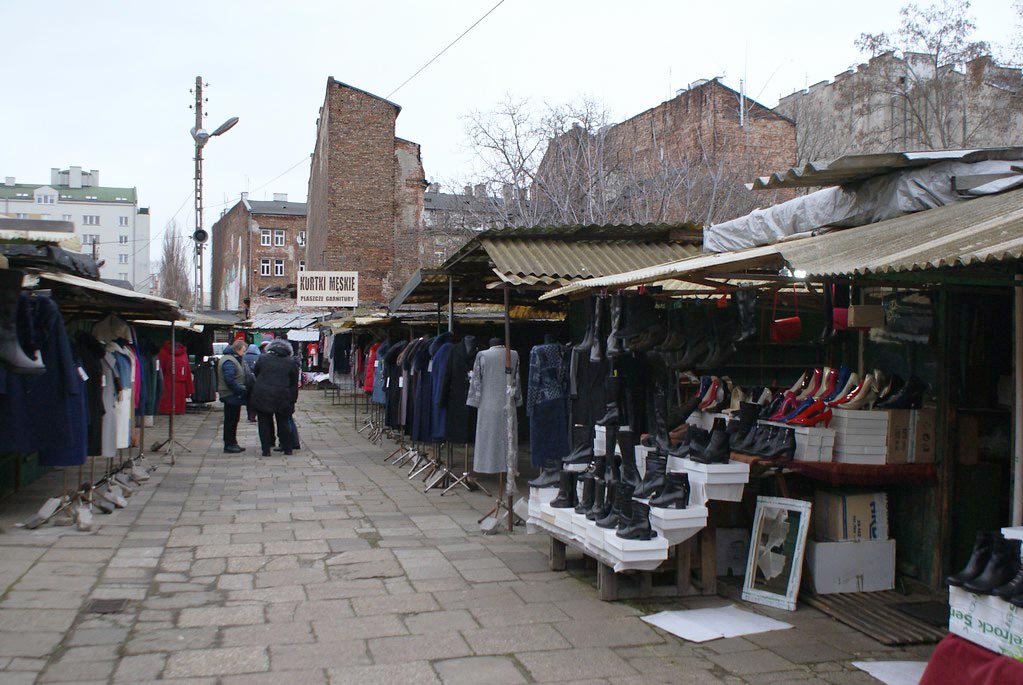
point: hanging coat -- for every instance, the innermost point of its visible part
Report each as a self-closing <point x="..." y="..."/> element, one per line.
<point x="379" y="382"/>
<point x="125" y="380"/>
<point x="174" y="368"/>
<point x="91" y="352"/>
<point x="391" y="374"/>
<point x="367" y="386"/>
<point x="488" y="392"/>
<point x="111" y="392"/>
<point x="460" y="419"/>
<point x="439" y="412"/>
<point x="547" y="401"/>
<point x="422" y="392"/>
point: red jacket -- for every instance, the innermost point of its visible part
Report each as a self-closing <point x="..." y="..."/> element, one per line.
<point x="175" y="370"/>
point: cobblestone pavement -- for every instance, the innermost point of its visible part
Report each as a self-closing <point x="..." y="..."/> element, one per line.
<point x="330" y="566"/>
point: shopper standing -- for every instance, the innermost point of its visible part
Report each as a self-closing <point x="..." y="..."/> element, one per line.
<point x="275" y="393"/>
<point x="250" y="358"/>
<point x="231" y="373"/>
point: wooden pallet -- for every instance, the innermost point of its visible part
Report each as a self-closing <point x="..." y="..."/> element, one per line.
<point x="875" y="615"/>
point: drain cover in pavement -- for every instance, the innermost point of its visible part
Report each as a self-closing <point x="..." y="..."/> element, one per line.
<point x="106" y="606"/>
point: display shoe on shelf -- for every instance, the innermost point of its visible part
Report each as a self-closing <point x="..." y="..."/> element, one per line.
<point x="627" y="446"/>
<point x="787" y="405"/>
<point x="747" y="422"/>
<point x="861" y="385"/>
<point x="850" y="386"/>
<point x="1011" y="589"/>
<point x="801" y="382"/>
<point x="839" y="387"/>
<point x="726" y="396"/>
<point x="595" y="470"/>
<point x="862" y="397"/>
<point x="813" y="386"/>
<point x="586" y="501"/>
<point x="813" y="415"/>
<point x="909" y="396"/>
<point x="550" y="475"/>
<point x="714" y="394"/>
<point x="616" y="497"/>
<point x="767" y="436"/>
<point x="582" y="446"/>
<point x="698" y="439"/>
<point x="638" y="525"/>
<point x="566" y="498"/>
<point x="828" y="378"/>
<point x="735" y="398"/>
<point x="607" y="504"/>
<point x="17" y="359"/>
<point x="797" y="410"/>
<point x="599" y="492"/>
<point x="675" y="494"/>
<point x="983" y="545"/>
<point x="612" y="391"/>
<point x="1001" y="568"/>
<point x="764" y="398"/>
<point x="614" y="340"/>
<point x="626" y="506"/>
<point x="653" y="477"/>
<point x="774" y="405"/>
<point x="743" y="446"/>
<point x="782" y="446"/>
<point x="716" y="451"/>
<point x="893" y="385"/>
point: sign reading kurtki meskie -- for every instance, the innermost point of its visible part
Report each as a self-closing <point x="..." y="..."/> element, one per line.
<point x="328" y="289"/>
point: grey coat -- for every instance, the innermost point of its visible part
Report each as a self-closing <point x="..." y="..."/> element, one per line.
<point x="488" y="389"/>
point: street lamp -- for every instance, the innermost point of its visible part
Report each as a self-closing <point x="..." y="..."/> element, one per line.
<point x="200" y="236"/>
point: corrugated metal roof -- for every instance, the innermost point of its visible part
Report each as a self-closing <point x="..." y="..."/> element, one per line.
<point x="851" y="168"/>
<point x="672" y="270"/>
<point x="276" y="207"/>
<point x="987" y="229"/>
<point x="284" y="320"/>
<point x="517" y="258"/>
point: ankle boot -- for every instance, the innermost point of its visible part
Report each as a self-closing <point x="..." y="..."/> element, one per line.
<point x="626" y="506"/>
<point x="638" y="525"/>
<point x="550" y="475"/>
<point x="14" y="313"/>
<point x="599" y="493"/>
<point x="748" y="413"/>
<point x="613" y="506"/>
<point x="612" y="389"/>
<point x="675" y="494"/>
<point x="1001" y="568"/>
<point x="627" y="444"/>
<point x="566" y="498"/>
<point x="596" y="351"/>
<point x="595" y="470"/>
<point x="1011" y="589"/>
<point x="653" y="478"/>
<point x="909" y="396"/>
<point x="586" y="503"/>
<point x="614" y="341"/>
<point x="767" y="436"/>
<point x="582" y="443"/>
<point x="716" y="451"/>
<point x="783" y="446"/>
<point x="744" y="445"/>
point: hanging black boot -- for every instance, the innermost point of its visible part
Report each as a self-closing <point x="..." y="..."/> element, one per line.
<point x="675" y="339"/>
<point x="1001" y="568"/>
<point x="716" y="451"/>
<point x="586" y="344"/>
<point x="599" y="493"/>
<point x="744" y="303"/>
<point x="582" y="442"/>
<point x="586" y="501"/>
<point x="612" y="390"/>
<point x="653" y="477"/>
<point x="614" y="340"/>
<point x="697" y="328"/>
<point x="616" y="493"/>
<point x="829" y="313"/>
<point x="597" y="349"/>
<point x="675" y="494"/>
<point x="638" y="525"/>
<point x="566" y="498"/>
<point x="627" y="445"/>
<point x="12" y="348"/>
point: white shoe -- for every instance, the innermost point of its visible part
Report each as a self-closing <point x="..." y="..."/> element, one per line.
<point x="113" y="495"/>
<point x="139" y="473"/>
<point x="83" y="517"/>
<point x="45" y="513"/>
<point x="124" y="482"/>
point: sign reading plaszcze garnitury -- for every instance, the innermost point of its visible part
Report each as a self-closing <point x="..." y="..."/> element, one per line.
<point x="328" y="289"/>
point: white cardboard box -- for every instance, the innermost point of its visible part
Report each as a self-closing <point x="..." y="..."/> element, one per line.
<point x="988" y="621"/>
<point x="852" y="566"/>
<point x="724" y="482"/>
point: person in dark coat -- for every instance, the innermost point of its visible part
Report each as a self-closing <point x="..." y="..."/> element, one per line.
<point x="250" y="358"/>
<point x="231" y="371"/>
<point x="275" y="393"/>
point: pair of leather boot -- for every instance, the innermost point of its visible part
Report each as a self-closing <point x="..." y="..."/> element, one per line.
<point x="621" y="506"/>
<point x="636" y="524"/>
<point x="567" y="496"/>
<point x="653" y="478"/>
<point x="993" y="568"/>
<point x="716" y="450"/>
<point x="770" y="442"/>
<point x="675" y="494"/>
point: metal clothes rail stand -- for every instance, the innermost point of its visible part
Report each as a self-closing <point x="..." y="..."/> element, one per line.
<point x="171" y="442"/>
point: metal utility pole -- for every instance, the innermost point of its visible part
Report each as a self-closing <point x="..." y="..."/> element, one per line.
<point x="200" y="236"/>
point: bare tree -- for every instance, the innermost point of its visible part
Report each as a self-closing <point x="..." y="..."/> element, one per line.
<point x="173" y="268"/>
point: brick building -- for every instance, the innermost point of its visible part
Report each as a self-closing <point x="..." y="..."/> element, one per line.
<point x="687" y="159"/>
<point x="258" y="248"/>
<point x="365" y="198"/>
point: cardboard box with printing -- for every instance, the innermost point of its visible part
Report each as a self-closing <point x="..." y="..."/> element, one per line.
<point x="894" y="436"/>
<point x="847" y="516"/>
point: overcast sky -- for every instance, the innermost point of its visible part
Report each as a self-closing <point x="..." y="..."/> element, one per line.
<point x="105" y="85"/>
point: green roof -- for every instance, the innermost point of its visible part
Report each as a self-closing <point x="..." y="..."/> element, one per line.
<point x="24" y="191"/>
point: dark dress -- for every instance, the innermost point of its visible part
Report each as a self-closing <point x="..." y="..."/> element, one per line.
<point x="460" y="422"/>
<point x="91" y="352"/>
<point x="547" y="401"/>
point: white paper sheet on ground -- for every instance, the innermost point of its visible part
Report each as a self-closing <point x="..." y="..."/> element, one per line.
<point x="894" y="672"/>
<point x="701" y="625"/>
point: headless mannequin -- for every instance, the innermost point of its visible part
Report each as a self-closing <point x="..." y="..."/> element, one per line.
<point x="549" y="339"/>
<point x="470" y="342"/>
<point x="496" y="342"/>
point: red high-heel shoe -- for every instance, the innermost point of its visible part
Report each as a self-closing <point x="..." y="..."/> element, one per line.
<point x="812" y="387"/>
<point x="786" y="407"/>
<point x="711" y="398"/>
<point x="813" y="415"/>
<point x="828" y="383"/>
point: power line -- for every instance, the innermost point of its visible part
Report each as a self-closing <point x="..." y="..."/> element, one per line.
<point x="448" y="47"/>
<point x="257" y="188"/>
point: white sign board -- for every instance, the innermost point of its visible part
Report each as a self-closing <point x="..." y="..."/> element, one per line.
<point x="328" y="289"/>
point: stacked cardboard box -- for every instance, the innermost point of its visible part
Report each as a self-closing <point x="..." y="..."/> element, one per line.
<point x="892" y="436"/>
<point x="852" y="552"/>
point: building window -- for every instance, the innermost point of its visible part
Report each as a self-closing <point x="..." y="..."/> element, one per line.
<point x="279" y="237"/>
<point x="301" y="238"/>
<point x="90" y="238"/>
<point x="264" y="267"/>
<point x="264" y="237"/>
<point x="122" y="221"/>
<point x="122" y="239"/>
<point x="90" y="219"/>
<point x="45" y="199"/>
<point x="65" y="217"/>
<point x="278" y="267"/>
<point x="21" y="215"/>
<point x="122" y="258"/>
<point x="123" y="275"/>
<point x="301" y="265"/>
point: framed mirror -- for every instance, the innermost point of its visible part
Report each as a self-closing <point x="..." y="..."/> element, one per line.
<point x="775" y="564"/>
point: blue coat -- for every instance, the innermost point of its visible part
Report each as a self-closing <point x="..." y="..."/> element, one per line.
<point x="251" y="356"/>
<point x="439" y="413"/>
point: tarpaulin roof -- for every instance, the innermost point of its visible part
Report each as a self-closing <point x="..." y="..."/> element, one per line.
<point x="852" y="168"/>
